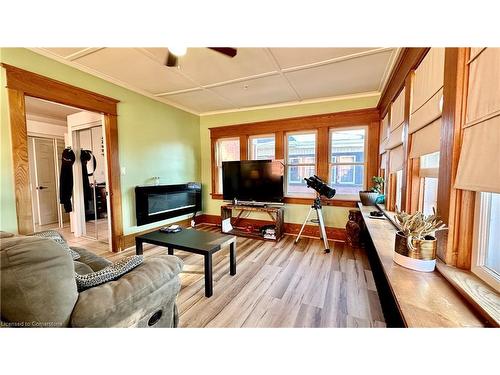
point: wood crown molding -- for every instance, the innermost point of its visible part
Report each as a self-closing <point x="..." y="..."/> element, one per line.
<point x="346" y="118"/>
<point x="38" y="86"/>
<point x="407" y="61"/>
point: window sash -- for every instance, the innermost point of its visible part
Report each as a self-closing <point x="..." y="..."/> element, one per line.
<point x="481" y="240"/>
<point x="218" y="161"/>
<point x="289" y="163"/>
<point x="334" y="163"/>
<point x="251" y="138"/>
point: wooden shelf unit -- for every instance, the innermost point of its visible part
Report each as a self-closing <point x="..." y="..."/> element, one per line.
<point x="277" y="215"/>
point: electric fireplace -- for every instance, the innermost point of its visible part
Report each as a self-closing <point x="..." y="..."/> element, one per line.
<point x="159" y="202"/>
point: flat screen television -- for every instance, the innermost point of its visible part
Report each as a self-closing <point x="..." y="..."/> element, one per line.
<point x="253" y="181"/>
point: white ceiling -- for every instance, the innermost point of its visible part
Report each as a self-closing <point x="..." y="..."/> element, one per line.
<point x="206" y="81"/>
<point x="51" y="110"/>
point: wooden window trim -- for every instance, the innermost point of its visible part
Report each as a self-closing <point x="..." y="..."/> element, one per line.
<point x="321" y="123"/>
<point x="22" y="83"/>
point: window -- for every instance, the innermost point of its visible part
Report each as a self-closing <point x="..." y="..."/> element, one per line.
<point x="226" y="149"/>
<point x="486" y="258"/>
<point x="261" y="147"/>
<point x="300" y="162"/>
<point x="347" y="161"/>
<point x="429" y="170"/>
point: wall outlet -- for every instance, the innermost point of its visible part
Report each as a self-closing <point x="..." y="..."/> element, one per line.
<point x="123" y="171"/>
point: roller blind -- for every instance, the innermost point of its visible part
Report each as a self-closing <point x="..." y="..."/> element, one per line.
<point x="396" y="159"/>
<point x="395" y="138"/>
<point x="478" y="167"/>
<point x="429" y="78"/>
<point x="398" y="110"/>
<point x="383" y="160"/>
<point x="426" y="140"/>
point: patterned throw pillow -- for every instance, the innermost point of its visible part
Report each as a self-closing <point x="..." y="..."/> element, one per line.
<point x="53" y="235"/>
<point x="109" y="273"/>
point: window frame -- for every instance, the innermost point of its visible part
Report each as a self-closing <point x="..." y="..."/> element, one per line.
<point x="256" y="136"/>
<point x="287" y="165"/>
<point x="364" y="163"/>
<point x="480" y="241"/>
<point x="218" y="162"/>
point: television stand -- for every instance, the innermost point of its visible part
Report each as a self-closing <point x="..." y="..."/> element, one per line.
<point x="277" y="215"/>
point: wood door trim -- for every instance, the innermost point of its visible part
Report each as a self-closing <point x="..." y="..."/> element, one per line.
<point x="38" y="86"/>
<point x="21" y="83"/>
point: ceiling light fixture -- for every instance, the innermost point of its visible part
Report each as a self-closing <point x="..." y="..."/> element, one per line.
<point x="178" y="51"/>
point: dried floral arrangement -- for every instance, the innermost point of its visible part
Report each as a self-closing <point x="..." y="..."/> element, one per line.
<point x="417" y="225"/>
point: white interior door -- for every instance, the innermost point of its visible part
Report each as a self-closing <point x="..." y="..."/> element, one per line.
<point x="45" y="177"/>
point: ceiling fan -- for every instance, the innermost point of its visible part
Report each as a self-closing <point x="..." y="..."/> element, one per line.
<point x="172" y="56"/>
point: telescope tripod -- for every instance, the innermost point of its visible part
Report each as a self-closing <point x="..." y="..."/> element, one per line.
<point x="316" y="206"/>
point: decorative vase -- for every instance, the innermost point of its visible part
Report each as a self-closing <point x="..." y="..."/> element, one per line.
<point x="353" y="229"/>
<point x="422" y="258"/>
<point x="368" y="198"/>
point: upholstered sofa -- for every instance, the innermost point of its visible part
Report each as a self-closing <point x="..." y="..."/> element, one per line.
<point x="38" y="288"/>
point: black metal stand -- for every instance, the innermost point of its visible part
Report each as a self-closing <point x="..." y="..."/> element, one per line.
<point x="316" y="206"/>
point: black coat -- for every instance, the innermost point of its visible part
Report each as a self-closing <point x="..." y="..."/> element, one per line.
<point x="66" y="179"/>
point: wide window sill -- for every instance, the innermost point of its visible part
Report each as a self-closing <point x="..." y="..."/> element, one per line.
<point x="482" y="296"/>
<point x="477" y="292"/>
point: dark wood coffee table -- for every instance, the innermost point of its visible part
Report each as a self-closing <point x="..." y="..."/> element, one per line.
<point x="194" y="241"/>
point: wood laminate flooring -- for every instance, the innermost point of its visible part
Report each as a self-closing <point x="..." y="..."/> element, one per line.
<point x="277" y="285"/>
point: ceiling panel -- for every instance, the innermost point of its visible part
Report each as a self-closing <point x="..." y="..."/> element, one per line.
<point x="136" y="68"/>
<point x="207" y="67"/>
<point x="292" y="57"/>
<point x="347" y="77"/>
<point x="65" y="52"/>
<point x="200" y="101"/>
<point x="258" y="91"/>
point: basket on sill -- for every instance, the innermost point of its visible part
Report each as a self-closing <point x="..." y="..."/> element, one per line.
<point x="421" y="258"/>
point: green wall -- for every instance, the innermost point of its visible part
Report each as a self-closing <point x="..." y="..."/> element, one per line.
<point x="155" y="139"/>
<point x="294" y="213"/>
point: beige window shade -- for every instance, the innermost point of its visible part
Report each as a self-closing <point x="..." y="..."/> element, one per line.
<point x="395" y="138"/>
<point x="396" y="159"/>
<point x="479" y="166"/>
<point x="426" y="140"/>
<point x="429" y="78"/>
<point x="474" y="52"/>
<point x="398" y="110"/>
<point x="483" y="100"/>
<point x="383" y="160"/>
<point x="384" y="128"/>
<point x="426" y="114"/>
<point x="383" y="146"/>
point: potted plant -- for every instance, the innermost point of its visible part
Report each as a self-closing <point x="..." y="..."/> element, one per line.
<point x="372" y="196"/>
<point x="415" y="244"/>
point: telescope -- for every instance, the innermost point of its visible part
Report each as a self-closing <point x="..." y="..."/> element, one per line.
<point x="322" y="188"/>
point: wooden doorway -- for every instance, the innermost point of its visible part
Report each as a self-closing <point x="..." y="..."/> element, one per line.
<point x="22" y="83"/>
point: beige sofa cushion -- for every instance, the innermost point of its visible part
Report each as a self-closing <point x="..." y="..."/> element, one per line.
<point x="38" y="286"/>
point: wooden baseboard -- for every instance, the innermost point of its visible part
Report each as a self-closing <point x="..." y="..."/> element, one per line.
<point x="335" y="234"/>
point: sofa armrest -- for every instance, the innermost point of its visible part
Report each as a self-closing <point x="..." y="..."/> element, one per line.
<point x="143" y="295"/>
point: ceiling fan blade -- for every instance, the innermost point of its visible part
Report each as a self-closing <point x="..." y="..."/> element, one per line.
<point x="171" y="60"/>
<point x="228" y="51"/>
